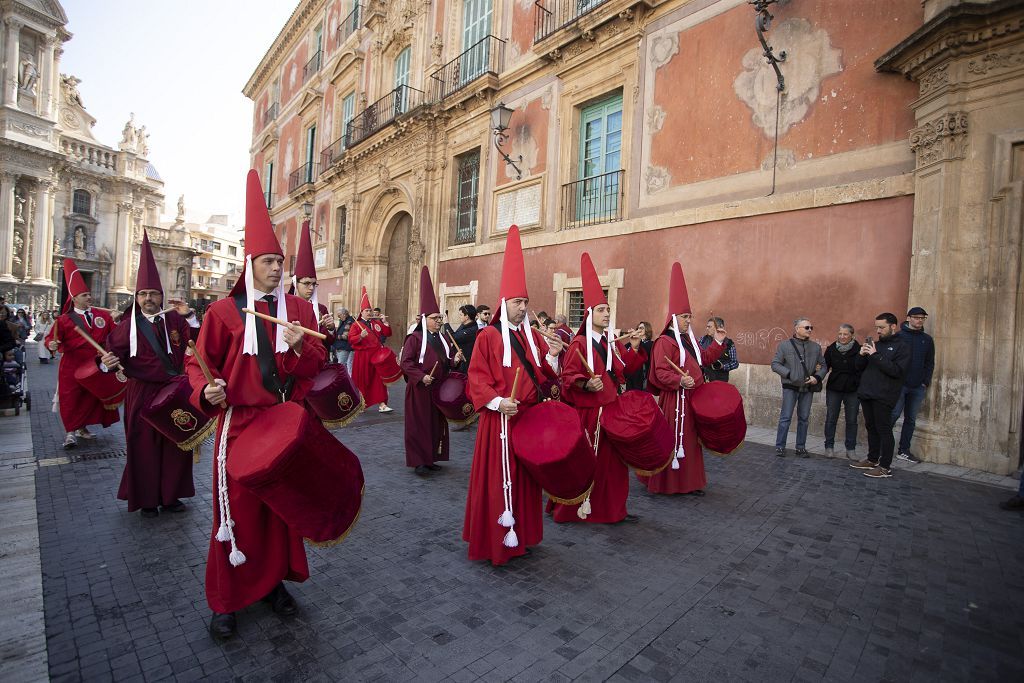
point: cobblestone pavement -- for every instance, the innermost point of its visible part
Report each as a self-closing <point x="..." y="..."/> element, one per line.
<point x="787" y="570"/>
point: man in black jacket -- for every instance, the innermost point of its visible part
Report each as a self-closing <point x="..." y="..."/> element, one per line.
<point x="919" y="377"/>
<point x="884" y="367"/>
<point x="841" y="389"/>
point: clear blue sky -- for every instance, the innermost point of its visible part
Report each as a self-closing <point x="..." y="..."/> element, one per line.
<point x="180" y="65"/>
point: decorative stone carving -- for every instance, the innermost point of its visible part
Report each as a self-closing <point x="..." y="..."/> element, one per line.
<point x="663" y="48"/>
<point x="656" y="179"/>
<point x="436" y="47"/>
<point x="942" y="139"/>
<point x="994" y="61"/>
<point x="28" y="74"/>
<point x="935" y="79"/>
<point x="655" y="119"/>
<point x="69" y="88"/>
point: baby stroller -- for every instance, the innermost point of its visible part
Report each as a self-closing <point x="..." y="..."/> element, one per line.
<point x="14" y="387"/>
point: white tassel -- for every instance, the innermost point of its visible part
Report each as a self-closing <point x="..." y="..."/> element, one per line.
<point x="227" y="525"/>
<point x="675" y="463"/>
<point x="511" y="540"/>
<point x="222" y="533"/>
<point x="506" y="519"/>
<point x="584" y="509"/>
<point x="236" y="558"/>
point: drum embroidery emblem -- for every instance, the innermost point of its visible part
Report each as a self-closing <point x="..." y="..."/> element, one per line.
<point x="99" y="322"/>
<point x="175" y="337"/>
<point x="120" y="376"/>
<point x="467" y="409"/>
<point x="344" y="401"/>
<point x="184" y="420"/>
<point x="555" y="391"/>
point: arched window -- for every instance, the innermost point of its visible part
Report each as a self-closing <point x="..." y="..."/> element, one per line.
<point x="82" y="203"/>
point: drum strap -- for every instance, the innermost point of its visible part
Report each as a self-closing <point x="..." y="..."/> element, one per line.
<point x="146" y="328"/>
<point x="603" y="353"/>
<point x="79" y="323"/>
<point x="517" y="346"/>
<point x="265" y="357"/>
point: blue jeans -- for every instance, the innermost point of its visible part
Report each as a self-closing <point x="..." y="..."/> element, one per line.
<point x="801" y="400"/>
<point x="848" y="401"/>
<point x="909" y="403"/>
<point x="345" y="358"/>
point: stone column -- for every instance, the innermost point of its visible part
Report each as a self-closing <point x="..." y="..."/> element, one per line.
<point x="7" y="181"/>
<point x="47" y="94"/>
<point x="55" y="88"/>
<point x="122" y="248"/>
<point x="10" y="89"/>
<point x="42" y="239"/>
<point x="51" y="211"/>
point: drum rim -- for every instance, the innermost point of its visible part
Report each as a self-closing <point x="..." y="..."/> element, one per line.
<point x="344" y="535"/>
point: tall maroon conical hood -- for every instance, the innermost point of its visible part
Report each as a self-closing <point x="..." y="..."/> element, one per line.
<point x="259" y="231"/>
<point x="678" y="298"/>
<point x="148" y="276"/>
<point x="304" y="266"/>
<point x="428" y="301"/>
<point x="513" y="269"/>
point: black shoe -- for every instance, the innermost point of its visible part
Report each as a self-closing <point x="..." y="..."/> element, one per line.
<point x="433" y="467"/>
<point x="802" y="452"/>
<point x="781" y="452"/>
<point x="281" y="601"/>
<point x="698" y="493"/>
<point x="1015" y="503"/>
<point x="630" y="519"/>
<point x="422" y="470"/>
<point x="150" y="512"/>
<point x="223" y="626"/>
<point x="176" y="506"/>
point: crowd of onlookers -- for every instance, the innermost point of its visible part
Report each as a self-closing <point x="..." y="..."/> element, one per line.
<point x="17" y="325"/>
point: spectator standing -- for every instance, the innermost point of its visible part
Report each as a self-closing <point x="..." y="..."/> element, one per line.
<point x="638" y="380"/>
<point x="919" y="377"/>
<point x="44" y="322"/>
<point x="342" y="348"/>
<point x="562" y="329"/>
<point x="465" y="334"/>
<point x="884" y="365"/>
<point x="483" y="316"/>
<point x="379" y="315"/>
<point x="841" y="389"/>
<point x="8" y="339"/>
<point x="729" y="360"/>
<point x="801" y="365"/>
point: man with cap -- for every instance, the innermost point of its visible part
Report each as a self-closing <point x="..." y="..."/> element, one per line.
<point x="150" y="344"/>
<point x="426" y="358"/>
<point x="304" y="284"/>
<point x="365" y="338"/>
<point x="78" y="407"/>
<point x="919" y="378"/>
<point x="677" y="349"/>
<point x="504" y="508"/>
<point x="594" y="372"/>
<point x="255" y="365"/>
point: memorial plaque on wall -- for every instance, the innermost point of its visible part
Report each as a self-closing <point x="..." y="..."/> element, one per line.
<point x="520" y="206"/>
<point x="320" y="257"/>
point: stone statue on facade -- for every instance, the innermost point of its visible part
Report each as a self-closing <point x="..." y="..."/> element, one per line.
<point x="79" y="239"/>
<point x="19" y="206"/>
<point x="142" y="147"/>
<point x="28" y="74"/>
<point x="128" y="134"/>
<point x="71" y="94"/>
<point x="19" y="245"/>
<point x="181" y="208"/>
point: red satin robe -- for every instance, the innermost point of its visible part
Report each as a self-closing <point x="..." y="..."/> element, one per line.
<point x="329" y="342"/>
<point x="364" y="372"/>
<point x="611" y="478"/>
<point x="690" y="476"/>
<point x="426" y="429"/>
<point x="485" y="500"/>
<point x="273" y="552"/>
<point x="156" y="471"/>
<point x="79" y="408"/>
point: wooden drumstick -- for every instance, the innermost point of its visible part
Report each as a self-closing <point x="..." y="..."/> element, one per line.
<point x="95" y="344"/>
<point x="457" y="347"/>
<point x="278" y="321"/>
<point x="431" y="373"/>
<point x="676" y="367"/>
<point x="585" y="363"/>
<point x="515" y="385"/>
<point x="205" y="368"/>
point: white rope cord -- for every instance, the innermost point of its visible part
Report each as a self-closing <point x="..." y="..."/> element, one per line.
<point x="680" y="422"/>
<point x="585" y="508"/>
<point x="226" y="532"/>
<point x="507" y="519"/>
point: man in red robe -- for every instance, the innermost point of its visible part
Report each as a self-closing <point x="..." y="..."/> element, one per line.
<point x="591" y="378"/>
<point x="78" y="407"/>
<point x="677" y="349"/>
<point x="426" y="358"/>
<point x="150" y="346"/>
<point x="364" y="337"/>
<point x="500" y="526"/>
<point x="256" y="365"/>
<point x="305" y="285"/>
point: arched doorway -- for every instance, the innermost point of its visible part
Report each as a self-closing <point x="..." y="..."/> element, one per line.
<point x="396" y="296"/>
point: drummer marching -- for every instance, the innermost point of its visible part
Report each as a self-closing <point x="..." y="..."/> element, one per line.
<point x="306" y="286"/>
<point x="365" y="338"/>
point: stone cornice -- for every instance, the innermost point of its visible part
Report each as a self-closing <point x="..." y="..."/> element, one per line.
<point x="960" y="29"/>
<point x="56" y="19"/>
<point x="296" y="22"/>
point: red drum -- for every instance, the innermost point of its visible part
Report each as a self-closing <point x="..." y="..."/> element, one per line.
<point x="449" y="395"/>
<point x="334" y="397"/>
<point x="548" y="441"/>
<point x="639" y="432"/>
<point x="304" y="474"/>
<point x="108" y="387"/>
<point x="386" y="362"/>
<point x="718" y="412"/>
<point x="172" y="414"/>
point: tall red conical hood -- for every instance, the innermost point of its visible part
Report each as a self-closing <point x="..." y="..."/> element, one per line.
<point x="304" y="266"/>
<point x="593" y="295"/>
<point x="678" y="298"/>
<point x="75" y="281"/>
<point x="148" y="276"/>
<point x="513" y="269"/>
<point x="259" y="232"/>
<point x="428" y="302"/>
<point x="364" y="301"/>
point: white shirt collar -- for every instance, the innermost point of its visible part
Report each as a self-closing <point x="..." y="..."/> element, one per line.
<point x="258" y="295"/>
<point x="152" y="318"/>
<point x="596" y="336"/>
<point x="81" y="311"/>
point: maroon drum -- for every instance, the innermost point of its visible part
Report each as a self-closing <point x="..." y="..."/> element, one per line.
<point x="304" y="474"/>
<point x="449" y="395"/>
<point x="172" y="414"/>
<point x="334" y="397"/>
<point x="548" y="441"/>
<point x="718" y="412"/>
<point x="108" y="387"/>
<point x="639" y="432"/>
<point x="386" y="362"/>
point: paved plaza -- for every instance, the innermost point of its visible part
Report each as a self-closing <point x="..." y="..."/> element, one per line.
<point x="788" y="569"/>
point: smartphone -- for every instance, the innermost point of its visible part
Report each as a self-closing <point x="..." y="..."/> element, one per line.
<point x="869" y="340"/>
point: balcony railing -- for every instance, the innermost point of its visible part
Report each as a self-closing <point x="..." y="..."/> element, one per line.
<point x="593" y="200"/>
<point x="486" y="56"/>
<point x="312" y="66"/>
<point x="350" y="24"/>
<point x="552" y="15"/>
<point x="381" y="113"/>
<point x="303" y="175"/>
<point x="332" y="153"/>
<point x="270" y="114"/>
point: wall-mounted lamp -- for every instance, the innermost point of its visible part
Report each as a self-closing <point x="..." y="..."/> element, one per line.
<point x="501" y="116"/>
<point x="307" y="208"/>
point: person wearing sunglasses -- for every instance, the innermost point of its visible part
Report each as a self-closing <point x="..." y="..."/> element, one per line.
<point x="801" y="364"/>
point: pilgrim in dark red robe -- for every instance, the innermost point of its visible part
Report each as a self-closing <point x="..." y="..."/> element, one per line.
<point x="426" y="429"/>
<point x="79" y="408"/>
<point x="485" y="501"/>
<point x="273" y="552"/>
<point x="364" y="372"/>
<point x="611" y="478"/>
<point x="156" y="471"/>
<point x="690" y="476"/>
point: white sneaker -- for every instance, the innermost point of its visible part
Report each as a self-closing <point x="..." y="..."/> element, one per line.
<point x="70" y="441"/>
<point x="84" y="434"/>
<point x="384" y="409"/>
<point x="830" y="452"/>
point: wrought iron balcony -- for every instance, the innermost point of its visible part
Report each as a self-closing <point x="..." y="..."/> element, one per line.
<point x="312" y="66"/>
<point x="270" y="114"/>
<point x="381" y="113"/>
<point x="303" y="175"/>
<point x="486" y="56"/>
<point x="552" y="15"/>
<point x="350" y="24"/>
<point x="332" y="153"/>
<point x="593" y="200"/>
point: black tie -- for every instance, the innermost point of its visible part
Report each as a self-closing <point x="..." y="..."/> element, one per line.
<point x="158" y="325"/>
<point x="270" y="299"/>
<point x="88" y="318"/>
